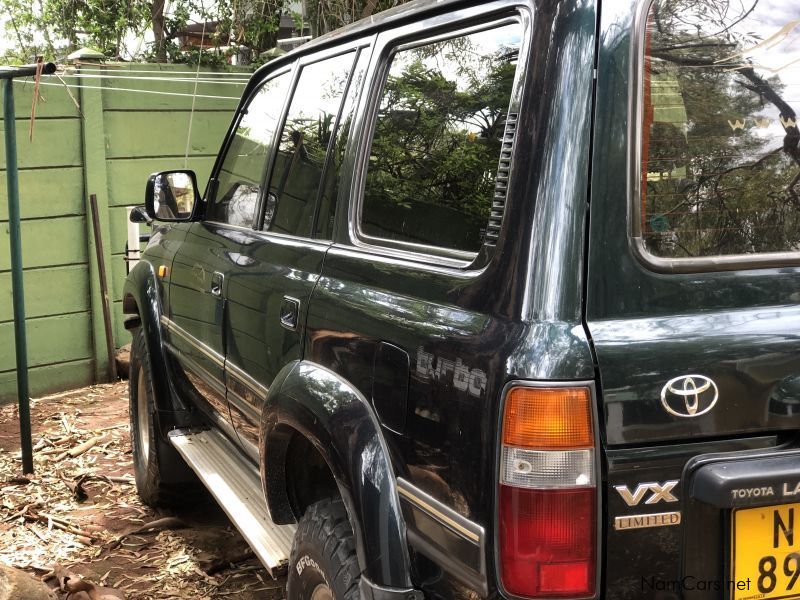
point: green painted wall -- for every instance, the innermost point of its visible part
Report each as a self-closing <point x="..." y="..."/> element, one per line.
<point x="121" y="134"/>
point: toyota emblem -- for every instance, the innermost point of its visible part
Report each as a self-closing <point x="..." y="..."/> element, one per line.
<point x="689" y="396"/>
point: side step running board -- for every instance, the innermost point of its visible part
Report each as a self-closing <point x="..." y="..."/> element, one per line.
<point x="236" y="485"/>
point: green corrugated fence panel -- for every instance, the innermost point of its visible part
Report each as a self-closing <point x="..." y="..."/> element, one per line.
<point x="118" y="225"/>
<point x="48" y="242"/>
<point x="48" y="291"/>
<point x="50" y="340"/>
<point x="118" y="274"/>
<point x="121" y="335"/>
<point x="176" y="93"/>
<point x="56" y="143"/>
<point x="140" y="134"/>
<point x="175" y="85"/>
<point x="127" y="176"/>
<point x="54" y="101"/>
<point x="45" y="193"/>
<point x="144" y="133"/>
<point x="48" y="379"/>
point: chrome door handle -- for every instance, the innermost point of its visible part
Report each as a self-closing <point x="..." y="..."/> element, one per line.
<point x="290" y="311"/>
<point x="217" y="280"/>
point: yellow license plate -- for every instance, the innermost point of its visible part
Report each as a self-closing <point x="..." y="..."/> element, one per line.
<point x="766" y="553"/>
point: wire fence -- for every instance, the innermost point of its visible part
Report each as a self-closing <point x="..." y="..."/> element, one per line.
<point x="168" y="79"/>
<point x="75" y="86"/>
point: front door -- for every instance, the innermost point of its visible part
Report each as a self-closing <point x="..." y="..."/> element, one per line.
<point x="193" y="322"/>
<point x="210" y="253"/>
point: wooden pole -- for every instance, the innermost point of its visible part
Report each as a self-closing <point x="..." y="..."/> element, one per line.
<point x="101" y="266"/>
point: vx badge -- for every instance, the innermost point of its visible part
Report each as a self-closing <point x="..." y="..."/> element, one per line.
<point x="689" y="395"/>
<point x="659" y="492"/>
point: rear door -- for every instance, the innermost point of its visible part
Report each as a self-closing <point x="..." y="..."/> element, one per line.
<point x="693" y="284"/>
<point x="275" y="267"/>
<point x="413" y="305"/>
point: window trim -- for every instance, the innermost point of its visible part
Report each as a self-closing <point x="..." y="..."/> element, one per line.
<point x="660" y="264"/>
<point x="294" y="70"/>
<point x="355" y="47"/>
<point x="237" y="120"/>
<point x="465" y="22"/>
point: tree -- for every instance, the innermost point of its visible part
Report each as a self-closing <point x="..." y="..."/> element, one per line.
<point x="54" y="28"/>
<point x="327" y="15"/>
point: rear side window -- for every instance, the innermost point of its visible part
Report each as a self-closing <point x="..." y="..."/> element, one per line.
<point x="291" y="203"/>
<point x="243" y="168"/>
<point x="720" y="146"/>
<point x="432" y="168"/>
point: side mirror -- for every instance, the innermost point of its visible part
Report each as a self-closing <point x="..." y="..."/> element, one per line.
<point x="171" y="195"/>
<point x="139" y="215"/>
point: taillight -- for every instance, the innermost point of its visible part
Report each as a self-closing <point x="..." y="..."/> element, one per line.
<point x="548" y="493"/>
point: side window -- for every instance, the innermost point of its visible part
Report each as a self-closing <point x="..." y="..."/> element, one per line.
<point x="242" y="172"/>
<point x="292" y="199"/>
<point x="436" y="148"/>
<point x="720" y="155"/>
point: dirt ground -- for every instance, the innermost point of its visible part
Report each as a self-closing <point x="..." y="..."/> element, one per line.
<point x="82" y="513"/>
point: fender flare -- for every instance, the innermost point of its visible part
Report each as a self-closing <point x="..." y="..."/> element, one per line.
<point x="315" y="402"/>
<point x="141" y="286"/>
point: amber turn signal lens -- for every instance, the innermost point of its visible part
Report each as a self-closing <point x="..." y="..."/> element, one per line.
<point x="548" y="418"/>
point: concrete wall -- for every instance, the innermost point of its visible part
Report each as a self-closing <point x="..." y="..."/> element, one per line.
<point x="120" y="135"/>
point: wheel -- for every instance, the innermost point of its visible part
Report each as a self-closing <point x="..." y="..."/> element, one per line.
<point x="156" y="464"/>
<point x="323" y="564"/>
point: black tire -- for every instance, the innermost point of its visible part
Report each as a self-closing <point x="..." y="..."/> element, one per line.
<point x="155" y="462"/>
<point x="323" y="564"/>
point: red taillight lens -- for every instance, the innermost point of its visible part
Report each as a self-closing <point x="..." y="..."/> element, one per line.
<point x="547" y="542"/>
<point x="548" y="495"/>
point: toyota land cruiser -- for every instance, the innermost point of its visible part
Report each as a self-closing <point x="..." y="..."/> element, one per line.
<point x="493" y="299"/>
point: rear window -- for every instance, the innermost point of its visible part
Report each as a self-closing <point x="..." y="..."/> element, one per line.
<point x="720" y="155"/>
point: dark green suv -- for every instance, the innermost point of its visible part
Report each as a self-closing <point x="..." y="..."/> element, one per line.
<point x="493" y="299"/>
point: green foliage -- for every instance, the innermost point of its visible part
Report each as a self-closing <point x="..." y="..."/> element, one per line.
<point x="54" y="28"/>
<point x="102" y="23"/>
<point x="327" y="15"/>
<point x="23" y="29"/>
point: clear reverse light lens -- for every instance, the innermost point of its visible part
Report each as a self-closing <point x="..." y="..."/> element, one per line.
<point x="547" y="469"/>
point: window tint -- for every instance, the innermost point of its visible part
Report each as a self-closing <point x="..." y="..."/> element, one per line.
<point x="242" y="171"/>
<point x="436" y="148"/>
<point x="292" y="198"/>
<point x="721" y="147"/>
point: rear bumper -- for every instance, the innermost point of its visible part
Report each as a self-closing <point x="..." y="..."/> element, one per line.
<point x="714" y="486"/>
<point x="747" y="482"/>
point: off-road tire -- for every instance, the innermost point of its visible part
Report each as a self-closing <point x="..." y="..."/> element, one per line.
<point x="152" y="456"/>
<point x="323" y="564"/>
